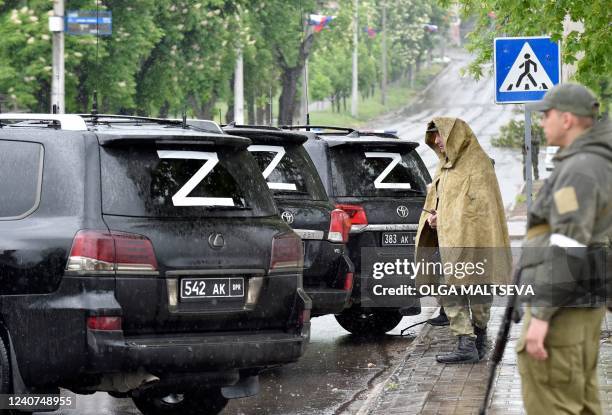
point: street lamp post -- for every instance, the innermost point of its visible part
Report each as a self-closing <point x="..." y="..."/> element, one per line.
<point x="56" y="27"/>
<point x="355" y="89"/>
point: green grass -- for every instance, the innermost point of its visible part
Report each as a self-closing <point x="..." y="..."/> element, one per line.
<point x="398" y="96"/>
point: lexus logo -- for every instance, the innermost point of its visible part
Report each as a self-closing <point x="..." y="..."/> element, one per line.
<point x="216" y="240"/>
<point x="287" y="217"/>
<point x="402" y="211"/>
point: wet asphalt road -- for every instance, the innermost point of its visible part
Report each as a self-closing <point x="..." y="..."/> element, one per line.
<point x="337" y="370"/>
<point x="333" y="377"/>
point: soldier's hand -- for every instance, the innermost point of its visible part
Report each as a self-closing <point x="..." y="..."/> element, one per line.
<point x="433" y="220"/>
<point x="534" y="339"/>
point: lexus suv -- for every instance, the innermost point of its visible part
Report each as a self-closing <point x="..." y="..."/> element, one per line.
<point x="380" y="181"/>
<point x="142" y="257"/>
<point x="303" y="204"/>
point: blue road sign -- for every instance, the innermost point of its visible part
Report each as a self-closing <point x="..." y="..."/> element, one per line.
<point x="525" y="68"/>
<point x="89" y="22"/>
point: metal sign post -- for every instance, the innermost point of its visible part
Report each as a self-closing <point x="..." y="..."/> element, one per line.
<point x="528" y="167"/>
<point x="525" y="68"/>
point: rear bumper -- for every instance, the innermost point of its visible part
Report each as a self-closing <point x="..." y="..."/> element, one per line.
<point x="325" y="282"/>
<point x="193" y="353"/>
<point x="53" y="346"/>
<point x="328" y="300"/>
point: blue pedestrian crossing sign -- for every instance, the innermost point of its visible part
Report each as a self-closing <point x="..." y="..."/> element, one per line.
<point x="525" y="68"/>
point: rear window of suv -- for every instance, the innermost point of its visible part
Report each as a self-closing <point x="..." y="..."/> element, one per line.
<point x="289" y="171"/>
<point x="20" y="178"/>
<point x="369" y="172"/>
<point x="182" y="182"/>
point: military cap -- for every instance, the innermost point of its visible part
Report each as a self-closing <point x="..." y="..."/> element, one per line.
<point x="569" y="97"/>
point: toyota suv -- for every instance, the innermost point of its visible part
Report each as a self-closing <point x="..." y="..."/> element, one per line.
<point x="304" y="205"/>
<point x="144" y="258"/>
<point x="380" y="181"/>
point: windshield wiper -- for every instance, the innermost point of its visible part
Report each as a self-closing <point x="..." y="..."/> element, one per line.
<point x="227" y="207"/>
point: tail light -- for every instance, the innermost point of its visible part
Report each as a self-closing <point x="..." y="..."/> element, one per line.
<point x="339" y="226"/>
<point x="304" y="318"/>
<point x="111" y="251"/>
<point x="287" y="252"/>
<point x="348" y="282"/>
<point x="104" y="323"/>
<point x="356" y="214"/>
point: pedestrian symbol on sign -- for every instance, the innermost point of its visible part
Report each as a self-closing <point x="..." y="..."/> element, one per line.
<point x="526" y="74"/>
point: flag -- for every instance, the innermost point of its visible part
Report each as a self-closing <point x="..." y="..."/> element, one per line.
<point x="319" y="21"/>
<point x="370" y="31"/>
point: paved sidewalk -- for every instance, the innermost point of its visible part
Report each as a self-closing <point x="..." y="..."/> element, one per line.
<point x="420" y="385"/>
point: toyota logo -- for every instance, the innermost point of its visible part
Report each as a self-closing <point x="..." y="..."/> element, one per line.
<point x="287" y="217"/>
<point x="402" y="211"/>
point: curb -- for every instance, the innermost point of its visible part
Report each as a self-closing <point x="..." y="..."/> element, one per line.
<point x="377" y="392"/>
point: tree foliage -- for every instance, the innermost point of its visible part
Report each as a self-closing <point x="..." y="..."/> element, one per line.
<point x="168" y="56"/>
<point x="589" y="49"/>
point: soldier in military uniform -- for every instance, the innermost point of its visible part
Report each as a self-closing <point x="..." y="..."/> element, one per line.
<point x="570" y="218"/>
<point x="463" y="223"/>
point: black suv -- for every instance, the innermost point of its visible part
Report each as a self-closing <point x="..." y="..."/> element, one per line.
<point x="381" y="182"/>
<point x="144" y="258"/>
<point x="304" y="205"/>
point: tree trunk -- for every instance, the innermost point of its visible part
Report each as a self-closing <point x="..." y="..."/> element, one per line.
<point x="229" y="115"/>
<point x="344" y="101"/>
<point x="250" y="101"/>
<point x="410" y="76"/>
<point x="287" y="102"/>
<point x="164" y="110"/>
<point x="260" y="115"/>
<point x="206" y="110"/>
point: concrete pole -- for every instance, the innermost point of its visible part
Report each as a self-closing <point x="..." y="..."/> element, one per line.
<point x="383" y="88"/>
<point x="56" y="26"/>
<point x="355" y="89"/>
<point x="239" y="90"/>
<point x="304" y="109"/>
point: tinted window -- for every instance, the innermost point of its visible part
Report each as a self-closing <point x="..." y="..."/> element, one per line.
<point x="359" y="171"/>
<point x="289" y="171"/>
<point x="20" y="178"/>
<point x="182" y="182"/>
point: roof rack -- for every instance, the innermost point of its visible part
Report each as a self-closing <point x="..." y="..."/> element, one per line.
<point x="350" y="132"/>
<point x="347" y="130"/>
<point x="68" y="122"/>
<point x="198" y="125"/>
<point x="252" y="127"/>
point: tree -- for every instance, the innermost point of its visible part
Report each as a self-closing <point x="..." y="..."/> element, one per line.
<point x="590" y="48"/>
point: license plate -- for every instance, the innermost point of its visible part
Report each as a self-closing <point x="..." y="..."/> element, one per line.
<point x="398" y="238"/>
<point x="212" y="287"/>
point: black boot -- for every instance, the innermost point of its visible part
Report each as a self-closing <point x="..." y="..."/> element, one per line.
<point x="441" y="320"/>
<point x="481" y="341"/>
<point x="464" y="353"/>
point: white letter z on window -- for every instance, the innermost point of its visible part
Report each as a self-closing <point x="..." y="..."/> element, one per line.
<point x="395" y="159"/>
<point x="181" y="197"/>
<point x="280" y="153"/>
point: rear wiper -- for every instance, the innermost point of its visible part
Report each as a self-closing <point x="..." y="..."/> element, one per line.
<point x="418" y="192"/>
<point x="227" y="207"/>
